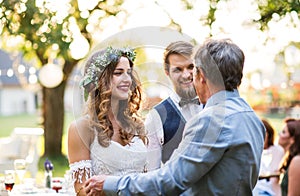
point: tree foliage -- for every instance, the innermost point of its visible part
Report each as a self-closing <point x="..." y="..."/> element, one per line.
<point x="272" y="8"/>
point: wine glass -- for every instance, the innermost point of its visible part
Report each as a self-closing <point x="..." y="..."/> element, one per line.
<point x="2" y="186"/>
<point x="57" y="183"/>
<point x="20" y="168"/>
<point x="9" y="179"/>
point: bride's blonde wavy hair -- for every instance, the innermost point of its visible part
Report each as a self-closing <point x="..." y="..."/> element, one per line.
<point x="99" y="103"/>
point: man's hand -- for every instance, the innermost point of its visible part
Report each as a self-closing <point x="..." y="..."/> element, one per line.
<point x="94" y="185"/>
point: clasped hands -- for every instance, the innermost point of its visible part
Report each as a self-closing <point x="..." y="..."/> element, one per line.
<point x="94" y="185"/>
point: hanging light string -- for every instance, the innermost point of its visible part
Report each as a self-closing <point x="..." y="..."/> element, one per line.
<point x="20" y="70"/>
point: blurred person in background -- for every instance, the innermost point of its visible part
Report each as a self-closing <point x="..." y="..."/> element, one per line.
<point x="272" y="156"/>
<point x="284" y="136"/>
<point x="290" y="139"/>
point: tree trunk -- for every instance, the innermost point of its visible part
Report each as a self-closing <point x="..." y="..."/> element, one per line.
<point x="53" y="114"/>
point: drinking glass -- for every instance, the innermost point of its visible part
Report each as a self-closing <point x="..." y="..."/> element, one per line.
<point x="57" y="183"/>
<point x="2" y="186"/>
<point x="68" y="182"/>
<point x="20" y="168"/>
<point x="9" y="179"/>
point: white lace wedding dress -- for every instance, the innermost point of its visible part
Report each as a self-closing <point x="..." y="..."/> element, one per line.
<point x="115" y="160"/>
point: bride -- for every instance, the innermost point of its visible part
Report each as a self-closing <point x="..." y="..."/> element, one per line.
<point x="110" y="138"/>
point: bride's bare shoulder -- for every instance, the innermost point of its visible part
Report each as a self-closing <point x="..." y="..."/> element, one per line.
<point x="80" y="127"/>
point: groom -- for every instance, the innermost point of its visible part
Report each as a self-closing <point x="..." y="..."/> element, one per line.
<point x="221" y="149"/>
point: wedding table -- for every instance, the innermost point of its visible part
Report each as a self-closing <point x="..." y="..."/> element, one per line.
<point x="31" y="188"/>
<point x="35" y="191"/>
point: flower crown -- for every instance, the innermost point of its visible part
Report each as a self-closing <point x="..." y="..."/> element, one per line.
<point x="100" y="62"/>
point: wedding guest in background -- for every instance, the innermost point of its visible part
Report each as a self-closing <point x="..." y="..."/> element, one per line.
<point x="167" y="119"/>
<point x="272" y="156"/>
<point x="285" y="138"/>
<point x="110" y="137"/>
<point x="221" y="148"/>
<point x="290" y="137"/>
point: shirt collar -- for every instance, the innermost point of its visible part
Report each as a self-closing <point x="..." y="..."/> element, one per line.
<point x="176" y="98"/>
<point x="221" y="96"/>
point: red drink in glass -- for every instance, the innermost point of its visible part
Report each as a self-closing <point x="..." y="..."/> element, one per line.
<point x="56" y="188"/>
<point x="57" y="184"/>
<point x="9" y="179"/>
<point x="9" y="186"/>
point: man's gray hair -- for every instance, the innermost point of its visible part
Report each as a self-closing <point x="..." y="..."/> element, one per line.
<point x="222" y="62"/>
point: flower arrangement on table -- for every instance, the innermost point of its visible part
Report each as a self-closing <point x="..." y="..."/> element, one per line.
<point x="48" y="172"/>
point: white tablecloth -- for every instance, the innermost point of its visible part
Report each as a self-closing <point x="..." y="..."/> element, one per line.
<point x="36" y="191"/>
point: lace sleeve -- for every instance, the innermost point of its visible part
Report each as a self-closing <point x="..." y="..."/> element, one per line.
<point x="81" y="168"/>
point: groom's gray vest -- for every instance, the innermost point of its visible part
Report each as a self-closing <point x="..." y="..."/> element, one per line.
<point x="173" y="125"/>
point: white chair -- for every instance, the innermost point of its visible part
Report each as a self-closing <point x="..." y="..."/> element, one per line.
<point x="21" y="144"/>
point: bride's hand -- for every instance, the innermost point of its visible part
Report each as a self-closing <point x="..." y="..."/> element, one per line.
<point x="94" y="185"/>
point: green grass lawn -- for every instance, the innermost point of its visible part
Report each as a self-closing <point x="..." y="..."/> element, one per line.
<point x="8" y="123"/>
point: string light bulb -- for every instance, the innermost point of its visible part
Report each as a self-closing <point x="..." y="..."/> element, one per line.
<point x="50" y="75"/>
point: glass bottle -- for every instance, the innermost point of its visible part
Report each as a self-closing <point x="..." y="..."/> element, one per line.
<point x="48" y="179"/>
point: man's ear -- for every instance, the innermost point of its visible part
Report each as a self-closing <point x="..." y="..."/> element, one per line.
<point x="202" y="78"/>
<point x="167" y="72"/>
